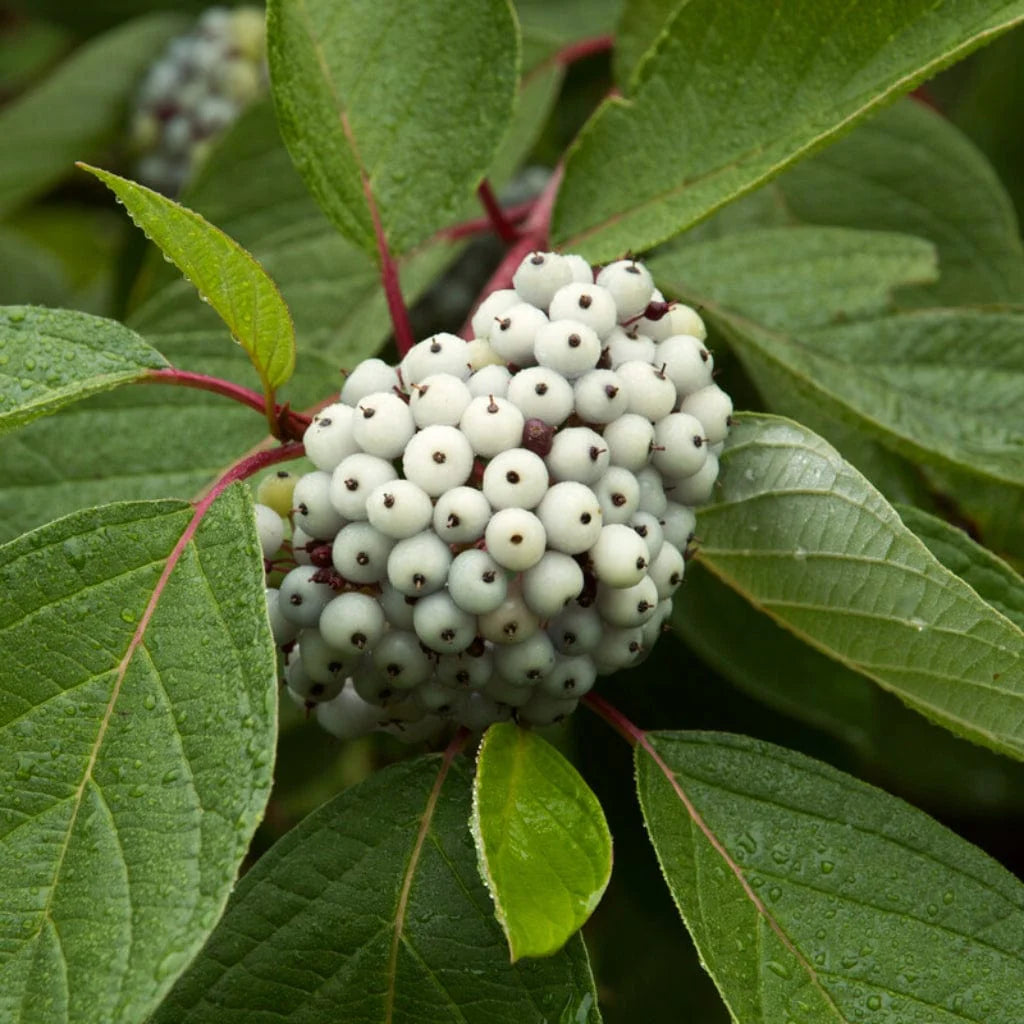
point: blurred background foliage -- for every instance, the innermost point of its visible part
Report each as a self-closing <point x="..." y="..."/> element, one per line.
<point x="68" y="76"/>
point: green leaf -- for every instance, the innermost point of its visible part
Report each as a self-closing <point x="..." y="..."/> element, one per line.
<point x="227" y="277"/>
<point x="804" y="537"/>
<point x="410" y="141"/>
<point x="902" y="750"/>
<point x="32" y="274"/>
<point x="544" y="846"/>
<point x="52" y="357"/>
<point x="992" y="579"/>
<point x="136" y="769"/>
<point x="640" y="24"/>
<point x="797" y="277"/>
<point x="747" y="90"/>
<point x="895" y="379"/>
<point x="78" y="109"/>
<point x="910" y="170"/>
<point x="813" y="896"/>
<point x="372" y="910"/>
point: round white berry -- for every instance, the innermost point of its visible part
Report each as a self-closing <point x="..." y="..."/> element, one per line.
<point x="576" y="630"/>
<point x="515" y="538"/>
<point x="680" y="319"/>
<point x="618" y="648"/>
<point x="567" y="346"/>
<point x="348" y="716"/>
<point x="399" y="508"/>
<point x="301" y="599"/>
<point x="581" y="270"/>
<point x="630" y="440"/>
<point x="541" y="709"/>
<point x="667" y="571"/>
<point x="588" y="303"/>
<point x="696" y="489"/>
<point x="301" y="542"/>
<point x="461" y="515"/>
<point x="512" y="333"/>
<point x="648" y="527"/>
<point x="686" y="362"/>
<point x="400" y="661"/>
<point x="438" y="459"/>
<point x="618" y="493"/>
<point x="476" y="583"/>
<point x="352" y="623"/>
<point x="354" y="479"/>
<point x="382" y="425"/>
<point x="495" y="304"/>
<point x="516" y="478"/>
<point x="539" y="276"/>
<point x="552" y="583"/>
<point x="270" y="529"/>
<point x="371" y="376"/>
<point x="713" y="407"/>
<point x="438" y="399"/>
<point x="324" y="662"/>
<point x="480" y="355"/>
<point x="628" y="606"/>
<point x="490" y="380"/>
<point x="680" y="448"/>
<point x="570" y="677"/>
<point x="577" y="453"/>
<point x="599" y="397"/>
<point x="329" y="438"/>
<point x="678" y="523"/>
<point x="571" y="516"/>
<point x="419" y="565"/>
<point x="626" y="346"/>
<point x="630" y="285"/>
<point x="435" y="698"/>
<point x="492" y="424"/>
<point x="510" y="623"/>
<point x="466" y="671"/>
<point x="652" y="491"/>
<point x="440" y="353"/>
<point x="477" y="712"/>
<point x="650" y="392"/>
<point x="306" y="690"/>
<point x="525" y="663"/>
<point x="442" y="625"/>
<point x="620" y="556"/>
<point x="397" y="607"/>
<point x="511" y="695"/>
<point x="541" y="393"/>
<point x="360" y="553"/>
<point x="313" y="510"/>
<point x="283" y="630"/>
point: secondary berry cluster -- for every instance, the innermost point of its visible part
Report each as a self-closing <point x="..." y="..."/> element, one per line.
<point x="494" y="523"/>
<point x="197" y="88"/>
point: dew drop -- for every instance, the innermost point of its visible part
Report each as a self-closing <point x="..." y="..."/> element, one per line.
<point x="827" y="867"/>
<point x="150" y="702"/>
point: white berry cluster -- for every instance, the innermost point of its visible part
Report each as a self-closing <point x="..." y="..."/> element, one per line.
<point x="197" y="88"/>
<point x="494" y="523"/>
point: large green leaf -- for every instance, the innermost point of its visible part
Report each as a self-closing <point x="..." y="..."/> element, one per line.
<point x="77" y="109"/>
<point x="138" y="716"/>
<point x="990" y="576"/>
<point x="408" y="142"/>
<point x="544" y="846"/>
<point x="52" y="357"/>
<point x="934" y="386"/>
<point x="900" y="749"/>
<point x="372" y="910"/>
<point x="227" y="277"/>
<point x="640" y="24"/>
<point x="814" y="897"/>
<point x="734" y="93"/>
<point x="797" y="277"/>
<point x="548" y="27"/>
<point x="803" y="536"/>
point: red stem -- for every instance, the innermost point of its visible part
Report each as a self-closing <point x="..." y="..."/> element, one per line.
<point x="631" y="733"/>
<point x="581" y="49"/>
<point x="285" y="424"/>
<point x="504" y="229"/>
<point x="512" y="214"/>
<point x="534" y="235"/>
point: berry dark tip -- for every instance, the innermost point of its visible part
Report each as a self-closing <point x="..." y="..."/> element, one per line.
<point x="512" y="476"/>
<point x="586" y="301"/>
<point x="351" y="484"/>
<point x="618" y="500"/>
<point x="611" y="390"/>
<point x="368" y="412"/>
<point x="419" y="581"/>
<point x="541" y="389"/>
<point x="453" y="521"/>
<point x="575" y="341"/>
<point x="537" y="259"/>
<point x="440" y="458"/>
<point x="389" y="501"/>
<point x="362" y="558"/>
<point x="358" y="641"/>
<point x="435" y="347"/>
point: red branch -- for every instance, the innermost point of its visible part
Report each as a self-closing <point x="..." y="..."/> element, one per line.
<point x="285" y="424"/>
<point x="582" y="48"/>
<point x="503" y="227"/>
<point x="636" y="736"/>
<point x="533" y="235"/>
<point x="513" y="214"/>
